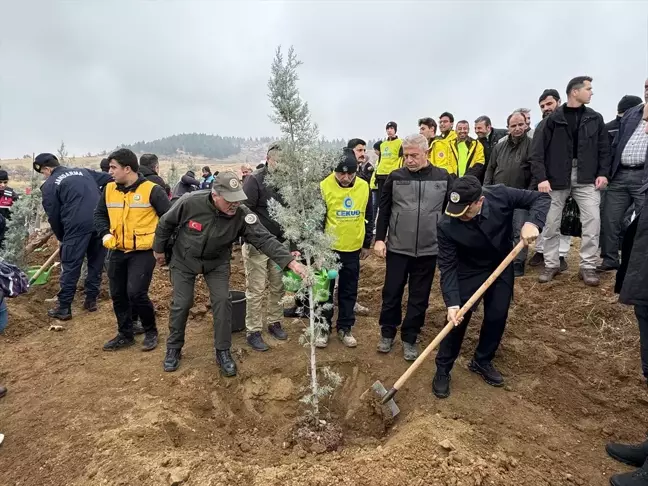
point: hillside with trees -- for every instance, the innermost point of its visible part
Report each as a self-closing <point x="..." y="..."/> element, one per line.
<point x="195" y="144"/>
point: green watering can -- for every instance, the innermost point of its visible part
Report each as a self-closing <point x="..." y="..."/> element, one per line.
<point x="292" y="283"/>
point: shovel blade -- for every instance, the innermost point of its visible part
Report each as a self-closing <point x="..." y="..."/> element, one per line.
<point x="390" y="408"/>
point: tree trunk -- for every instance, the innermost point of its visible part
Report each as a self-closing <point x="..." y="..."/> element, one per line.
<point x="38" y="241"/>
<point x="313" y="361"/>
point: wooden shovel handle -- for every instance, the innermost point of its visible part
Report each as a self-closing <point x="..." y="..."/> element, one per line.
<point x="466" y="307"/>
<point x="45" y="265"/>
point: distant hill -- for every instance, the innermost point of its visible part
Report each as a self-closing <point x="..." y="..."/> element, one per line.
<point x="195" y="144"/>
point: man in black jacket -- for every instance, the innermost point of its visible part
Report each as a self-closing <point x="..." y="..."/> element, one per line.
<point x="509" y="165"/>
<point x="627" y="102"/>
<point x="488" y="136"/>
<point x="187" y="183"/>
<point x="474" y="237"/>
<point x="571" y="156"/>
<point x="629" y="157"/>
<point x="70" y="196"/>
<point x="149" y="167"/>
<point x="258" y="266"/>
<point x="411" y="203"/>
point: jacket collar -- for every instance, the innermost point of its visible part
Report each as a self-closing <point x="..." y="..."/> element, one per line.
<point x="132" y="187"/>
<point x="559" y="115"/>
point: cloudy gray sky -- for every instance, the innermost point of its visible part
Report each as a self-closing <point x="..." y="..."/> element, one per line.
<point x="97" y="74"/>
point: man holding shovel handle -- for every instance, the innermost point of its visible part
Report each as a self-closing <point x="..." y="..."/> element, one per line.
<point x="474" y="237"/>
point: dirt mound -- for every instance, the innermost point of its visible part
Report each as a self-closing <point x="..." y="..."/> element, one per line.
<point x="76" y="415"/>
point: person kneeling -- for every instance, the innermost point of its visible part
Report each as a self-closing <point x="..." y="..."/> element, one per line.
<point x="207" y="224"/>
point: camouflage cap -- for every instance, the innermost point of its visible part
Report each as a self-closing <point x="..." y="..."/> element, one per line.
<point x="228" y="185"/>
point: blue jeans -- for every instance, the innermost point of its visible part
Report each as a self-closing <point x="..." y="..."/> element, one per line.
<point x="4" y="315"/>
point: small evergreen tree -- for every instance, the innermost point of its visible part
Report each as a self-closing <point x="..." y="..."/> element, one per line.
<point x="62" y="153"/>
<point x="173" y="178"/>
<point x="303" y="165"/>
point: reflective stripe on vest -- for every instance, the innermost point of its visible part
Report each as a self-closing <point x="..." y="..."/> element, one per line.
<point x="345" y="212"/>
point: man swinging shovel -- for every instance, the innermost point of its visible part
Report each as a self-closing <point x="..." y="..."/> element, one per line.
<point x="474" y="236"/>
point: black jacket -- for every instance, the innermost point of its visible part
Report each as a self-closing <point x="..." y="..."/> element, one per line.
<point x="509" y="164"/>
<point x="70" y="196"/>
<point x="153" y="176"/>
<point x="469" y="251"/>
<point x="627" y="126"/>
<point x="551" y="155"/>
<point x="365" y="171"/>
<point x="187" y="183"/>
<point x="612" y="128"/>
<point x="411" y="204"/>
<point x="490" y="142"/>
<point x="632" y="277"/>
<point x="259" y="193"/>
<point x="159" y="202"/>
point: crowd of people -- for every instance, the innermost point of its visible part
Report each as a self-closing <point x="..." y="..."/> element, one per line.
<point x="428" y="200"/>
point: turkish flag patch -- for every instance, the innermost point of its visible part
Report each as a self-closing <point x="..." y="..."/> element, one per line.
<point x="195" y="225"/>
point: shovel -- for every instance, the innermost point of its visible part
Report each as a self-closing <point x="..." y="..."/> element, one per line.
<point x="44" y="266"/>
<point x="387" y="397"/>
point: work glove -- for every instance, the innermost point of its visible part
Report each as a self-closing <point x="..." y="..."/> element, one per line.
<point x="109" y="241"/>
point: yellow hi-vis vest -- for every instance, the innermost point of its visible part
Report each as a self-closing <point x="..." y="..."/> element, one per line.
<point x="389" y="158"/>
<point x="345" y="212"/>
<point x="132" y="218"/>
<point x="373" y="185"/>
<point x="441" y="154"/>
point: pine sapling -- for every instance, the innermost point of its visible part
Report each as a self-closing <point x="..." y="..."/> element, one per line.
<point x="303" y="164"/>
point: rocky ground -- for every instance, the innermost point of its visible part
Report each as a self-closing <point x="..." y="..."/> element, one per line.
<point x="75" y="415"/>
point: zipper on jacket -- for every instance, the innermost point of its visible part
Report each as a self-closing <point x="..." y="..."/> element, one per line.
<point x="418" y="220"/>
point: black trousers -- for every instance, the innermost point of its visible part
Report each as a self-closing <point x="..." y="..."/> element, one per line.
<point x="349" y="275"/>
<point x="73" y="251"/>
<point x="496" y="305"/>
<point x="641" y="311"/>
<point x="418" y="273"/>
<point x="130" y="276"/>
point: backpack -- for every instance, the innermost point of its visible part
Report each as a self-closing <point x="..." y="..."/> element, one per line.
<point x="13" y="281"/>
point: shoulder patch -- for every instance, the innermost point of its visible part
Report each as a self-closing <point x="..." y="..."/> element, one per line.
<point x="251" y="219"/>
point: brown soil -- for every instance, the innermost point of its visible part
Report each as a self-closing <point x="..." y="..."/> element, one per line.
<point x="75" y="415"/>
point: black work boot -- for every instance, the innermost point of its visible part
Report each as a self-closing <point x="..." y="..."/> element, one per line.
<point x="256" y="342"/>
<point x="536" y="260"/>
<point x="150" y="341"/>
<point x="118" y="342"/>
<point x="172" y="359"/>
<point x="636" y="478"/>
<point x="277" y="332"/>
<point x="488" y="372"/>
<point x="137" y="327"/>
<point x="90" y="304"/>
<point x="632" y="455"/>
<point x="441" y="385"/>
<point x="226" y="362"/>
<point x="518" y="269"/>
<point x="60" y="313"/>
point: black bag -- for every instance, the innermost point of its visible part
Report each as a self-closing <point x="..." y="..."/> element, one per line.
<point x="570" y="224"/>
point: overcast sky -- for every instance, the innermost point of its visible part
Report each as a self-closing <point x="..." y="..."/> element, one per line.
<point x="97" y="74"/>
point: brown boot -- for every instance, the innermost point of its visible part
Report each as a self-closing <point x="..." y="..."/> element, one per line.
<point x="589" y="277"/>
<point x="548" y="274"/>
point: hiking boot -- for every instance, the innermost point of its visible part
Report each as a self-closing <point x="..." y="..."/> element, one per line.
<point x="172" y="359"/>
<point x="636" y="478"/>
<point x="589" y="277"/>
<point x="488" y="372"/>
<point x="385" y="345"/>
<point x="226" y="363"/>
<point x="563" y="264"/>
<point x="118" y="342"/>
<point x="150" y="341"/>
<point x="410" y="351"/>
<point x="518" y="269"/>
<point x="606" y="267"/>
<point x="256" y="342"/>
<point x="60" y="313"/>
<point x="632" y="455"/>
<point x="90" y="304"/>
<point x="347" y="338"/>
<point x="536" y="260"/>
<point x="360" y="310"/>
<point x="548" y="274"/>
<point x="277" y="332"/>
<point x="138" y="328"/>
<point x="321" y="341"/>
<point x="441" y="385"/>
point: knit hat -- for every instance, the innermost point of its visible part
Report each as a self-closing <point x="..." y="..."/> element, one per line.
<point x="392" y="124"/>
<point x="627" y="102"/>
<point x="4" y="176"/>
<point x="347" y="163"/>
<point x="45" y="160"/>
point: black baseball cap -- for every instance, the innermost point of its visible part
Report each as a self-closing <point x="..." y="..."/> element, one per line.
<point x="45" y="160"/>
<point x="465" y="191"/>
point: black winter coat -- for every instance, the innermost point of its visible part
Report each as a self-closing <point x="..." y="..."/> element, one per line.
<point x="551" y="153"/>
<point x="632" y="277"/>
<point x="153" y="176"/>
